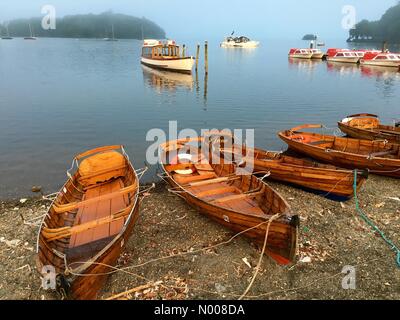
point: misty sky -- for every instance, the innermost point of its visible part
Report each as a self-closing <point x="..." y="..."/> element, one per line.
<point x="210" y="19"/>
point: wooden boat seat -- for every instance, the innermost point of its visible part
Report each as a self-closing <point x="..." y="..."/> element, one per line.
<point x="238" y="197"/>
<point x="96" y="210"/>
<point x="221" y="189"/>
<point x="69" y="207"/>
<point x="320" y="142"/>
<point x="213" y="181"/>
<point x="52" y="234"/>
<point x="194" y="178"/>
<point x="101" y="167"/>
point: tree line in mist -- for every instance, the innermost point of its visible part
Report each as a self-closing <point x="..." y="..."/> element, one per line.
<point x="385" y="29"/>
<point x="87" y="26"/>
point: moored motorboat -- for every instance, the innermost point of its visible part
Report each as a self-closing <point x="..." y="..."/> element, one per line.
<point x="166" y="56"/>
<point x="368" y="126"/>
<point x="239" y="42"/>
<point x="300" y="53"/>
<point x="239" y="201"/>
<point x="89" y="222"/>
<point x="379" y="157"/>
<point x="342" y="55"/>
<point x="381" y="59"/>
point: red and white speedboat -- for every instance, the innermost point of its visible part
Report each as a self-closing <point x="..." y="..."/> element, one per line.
<point x="381" y="59"/>
<point x="165" y="56"/>
<point x="343" y="55"/>
<point x="300" y="53"/>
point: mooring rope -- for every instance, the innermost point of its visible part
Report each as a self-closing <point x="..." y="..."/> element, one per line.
<point x="371" y="223"/>
<point x="274" y="217"/>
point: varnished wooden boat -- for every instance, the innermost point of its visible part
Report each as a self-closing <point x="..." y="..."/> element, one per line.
<point x="303" y="172"/>
<point x="368" y="126"/>
<point x="239" y="202"/>
<point x="89" y="222"/>
<point x="380" y="157"/>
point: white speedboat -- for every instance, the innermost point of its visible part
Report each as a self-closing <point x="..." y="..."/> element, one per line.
<point x="239" y="42"/>
<point x="165" y="56"/>
<point x="300" y="53"/>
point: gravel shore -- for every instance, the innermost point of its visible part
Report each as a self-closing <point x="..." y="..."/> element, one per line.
<point x="332" y="235"/>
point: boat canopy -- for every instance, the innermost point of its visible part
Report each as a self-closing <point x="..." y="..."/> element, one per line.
<point x="299" y="51"/>
<point x="151" y="42"/>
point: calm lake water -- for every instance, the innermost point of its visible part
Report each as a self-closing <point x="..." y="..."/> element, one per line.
<point x="59" y="97"/>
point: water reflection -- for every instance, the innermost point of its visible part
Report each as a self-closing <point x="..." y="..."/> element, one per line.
<point x="386" y="78"/>
<point x="380" y="72"/>
<point x="166" y="81"/>
<point x="235" y="54"/>
<point x="342" y="68"/>
<point x="308" y="65"/>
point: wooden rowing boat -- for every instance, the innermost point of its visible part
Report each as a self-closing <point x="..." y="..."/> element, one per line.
<point x="89" y="222"/>
<point x="368" y="126"/>
<point x="241" y="202"/>
<point x="303" y="172"/>
<point x="380" y="157"/>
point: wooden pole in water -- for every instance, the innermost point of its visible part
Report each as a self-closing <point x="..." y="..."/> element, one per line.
<point x="183" y="51"/>
<point x="197" y="56"/>
<point x="206" y="56"/>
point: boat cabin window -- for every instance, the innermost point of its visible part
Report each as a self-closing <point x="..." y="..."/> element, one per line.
<point x="339" y="54"/>
<point x="381" y="58"/>
<point x="160" y="51"/>
<point x="147" y="52"/>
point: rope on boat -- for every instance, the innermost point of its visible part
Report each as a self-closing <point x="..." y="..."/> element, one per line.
<point x="274" y="217"/>
<point x="371" y="223"/>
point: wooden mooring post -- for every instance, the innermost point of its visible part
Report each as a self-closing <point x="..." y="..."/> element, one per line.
<point x="206" y="57"/>
<point x="197" y="56"/>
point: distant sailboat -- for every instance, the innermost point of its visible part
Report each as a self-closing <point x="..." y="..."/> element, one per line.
<point x="32" y="37"/>
<point x="7" y="37"/>
<point x="113" y="36"/>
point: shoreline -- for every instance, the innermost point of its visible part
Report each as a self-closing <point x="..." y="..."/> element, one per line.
<point x="331" y="237"/>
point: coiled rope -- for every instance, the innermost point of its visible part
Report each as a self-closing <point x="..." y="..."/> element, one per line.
<point x="371" y="223"/>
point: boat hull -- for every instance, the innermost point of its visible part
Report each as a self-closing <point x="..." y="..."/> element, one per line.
<point x="310" y="175"/>
<point x="184" y="65"/>
<point x="389" y="64"/>
<point x="249" y="44"/>
<point x="301" y="56"/>
<point x="375" y="164"/>
<point x="318" y="55"/>
<point x="343" y="60"/>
